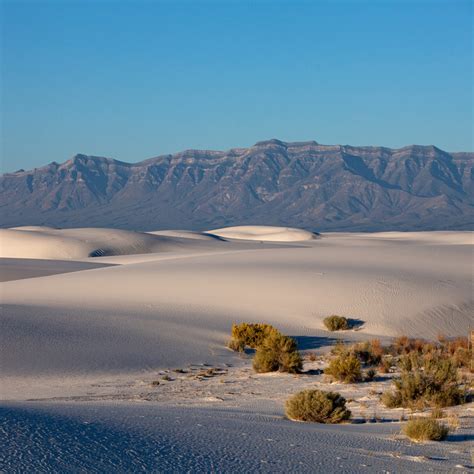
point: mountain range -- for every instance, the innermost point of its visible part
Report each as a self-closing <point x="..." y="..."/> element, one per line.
<point x="302" y="184"/>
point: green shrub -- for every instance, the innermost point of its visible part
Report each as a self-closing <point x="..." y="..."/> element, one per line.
<point x="277" y="352"/>
<point x="317" y="406"/>
<point x="345" y="368"/>
<point x="425" y="380"/>
<point x="248" y="335"/>
<point x="336" y="323"/>
<point x="425" y="429"/>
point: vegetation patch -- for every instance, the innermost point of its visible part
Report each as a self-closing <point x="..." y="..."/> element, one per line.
<point x="345" y="368"/>
<point x="425" y="429"/>
<point x="277" y="352"/>
<point x="249" y="335"/>
<point x="426" y="380"/>
<point x="317" y="406"/>
<point x="336" y="323"/>
<point x="273" y="350"/>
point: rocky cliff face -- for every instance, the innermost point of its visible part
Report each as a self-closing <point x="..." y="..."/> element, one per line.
<point x="304" y="184"/>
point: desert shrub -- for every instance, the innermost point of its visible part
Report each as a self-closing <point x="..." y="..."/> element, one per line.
<point x="339" y="348"/>
<point x="277" y="352"/>
<point x="463" y="358"/>
<point x="376" y="348"/>
<point x="248" y="335"/>
<point x="429" y="379"/>
<point x="392" y="399"/>
<point x="370" y="375"/>
<point x="385" y="364"/>
<point x="336" y="323"/>
<point x="317" y="406"/>
<point x="345" y="368"/>
<point x="405" y="345"/>
<point x="458" y="348"/>
<point x="367" y="352"/>
<point x="437" y="413"/>
<point x="425" y="429"/>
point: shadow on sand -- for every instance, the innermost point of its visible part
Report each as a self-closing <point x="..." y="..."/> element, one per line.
<point x="314" y="342"/>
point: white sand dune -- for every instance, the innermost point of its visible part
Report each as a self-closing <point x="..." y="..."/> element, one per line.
<point x="48" y="243"/>
<point x="265" y="233"/>
<point x="167" y="312"/>
<point x="148" y="437"/>
<point x="422" y="238"/>
<point x="101" y="335"/>
<point x="186" y="234"/>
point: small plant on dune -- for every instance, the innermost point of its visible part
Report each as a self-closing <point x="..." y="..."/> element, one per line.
<point x="425" y="429"/>
<point x="248" y="335"/>
<point x="317" y="406"/>
<point x="425" y="380"/>
<point x="336" y="323"/>
<point x="345" y="368"/>
<point x="277" y="353"/>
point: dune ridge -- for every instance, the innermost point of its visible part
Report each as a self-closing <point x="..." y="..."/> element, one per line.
<point x="50" y="243"/>
<point x="164" y="311"/>
<point x="266" y="233"/>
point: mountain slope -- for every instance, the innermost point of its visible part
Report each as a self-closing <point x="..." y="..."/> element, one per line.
<point x="302" y="184"/>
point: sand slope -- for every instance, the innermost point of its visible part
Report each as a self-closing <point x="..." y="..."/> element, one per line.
<point x="265" y="233"/>
<point x="98" y="438"/>
<point x="48" y="243"/>
<point x="180" y="310"/>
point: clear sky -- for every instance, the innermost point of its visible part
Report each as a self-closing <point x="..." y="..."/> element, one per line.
<point x="132" y="80"/>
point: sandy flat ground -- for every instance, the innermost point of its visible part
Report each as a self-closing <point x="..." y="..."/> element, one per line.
<point x="169" y="301"/>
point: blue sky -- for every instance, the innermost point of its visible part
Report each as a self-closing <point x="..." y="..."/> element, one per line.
<point x="132" y="80"/>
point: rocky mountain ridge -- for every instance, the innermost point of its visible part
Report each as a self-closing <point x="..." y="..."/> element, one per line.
<point x="302" y="184"/>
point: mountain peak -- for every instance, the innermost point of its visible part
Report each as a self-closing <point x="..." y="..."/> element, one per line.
<point x="272" y="141"/>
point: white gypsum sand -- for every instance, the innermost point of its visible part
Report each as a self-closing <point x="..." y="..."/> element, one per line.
<point x="98" y="335"/>
<point x="266" y="233"/>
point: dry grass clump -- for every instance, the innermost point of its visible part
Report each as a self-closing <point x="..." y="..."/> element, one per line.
<point x="386" y="364"/>
<point x="248" y="335"/>
<point x="274" y="351"/>
<point x="426" y="380"/>
<point x="277" y="353"/>
<point x="336" y="323"/>
<point x="317" y="406"/>
<point x="425" y="429"/>
<point x="456" y="348"/>
<point x="437" y="413"/>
